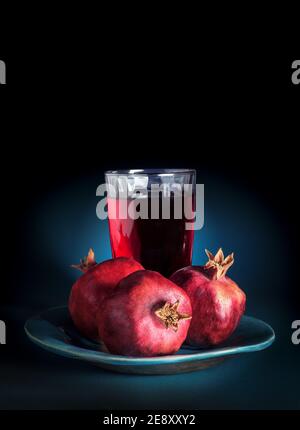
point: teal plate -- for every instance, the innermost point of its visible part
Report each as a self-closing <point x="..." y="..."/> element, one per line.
<point x="54" y="331"/>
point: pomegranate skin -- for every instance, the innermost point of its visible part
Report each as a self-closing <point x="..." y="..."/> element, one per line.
<point x="218" y="305"/>
<point x="92" y="287"/>
<point x="128" y="322"/>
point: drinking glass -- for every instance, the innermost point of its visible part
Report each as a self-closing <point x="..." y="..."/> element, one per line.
<point x="151" y="216"/>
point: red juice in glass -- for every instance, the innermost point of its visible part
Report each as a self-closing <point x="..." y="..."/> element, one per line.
<point x="160" y="244"/>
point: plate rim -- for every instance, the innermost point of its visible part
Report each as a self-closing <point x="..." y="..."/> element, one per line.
<point x="77" y="352"/>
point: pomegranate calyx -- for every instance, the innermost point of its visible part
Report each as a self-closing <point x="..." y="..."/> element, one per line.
<point x="170" y="316"/>
<point x="217" y="265"/>
<point x="87" y="262"/>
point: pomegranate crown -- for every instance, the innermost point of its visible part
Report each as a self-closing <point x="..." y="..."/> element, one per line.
<point x="218" y="265"/>
<point x="87" y="262"/>
<point x="170" y="315"/>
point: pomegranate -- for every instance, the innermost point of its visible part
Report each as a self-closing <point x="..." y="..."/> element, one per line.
<point x="147" y="315"/>
<point x="217" y="302"/>
<point x="97" y="281"/>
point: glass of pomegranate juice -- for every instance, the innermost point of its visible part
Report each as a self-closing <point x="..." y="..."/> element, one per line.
<point x="151" y="216"/>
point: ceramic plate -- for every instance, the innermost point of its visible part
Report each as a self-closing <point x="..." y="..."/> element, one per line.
<point x="54" y="331"/>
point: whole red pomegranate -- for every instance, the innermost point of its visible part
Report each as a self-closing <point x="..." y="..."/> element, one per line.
<point x="147" y="315"/>
<point x="97" y="281"/>
<point x="217" y="302"/>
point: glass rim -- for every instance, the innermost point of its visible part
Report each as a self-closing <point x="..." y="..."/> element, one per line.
<point x="149" y="172"/>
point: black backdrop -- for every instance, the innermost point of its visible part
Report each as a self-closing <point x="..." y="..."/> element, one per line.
<point x="228" y="109"/>
<point x="77" y="108"/>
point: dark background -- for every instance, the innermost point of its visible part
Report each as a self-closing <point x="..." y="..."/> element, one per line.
<point x="78" y="106"/>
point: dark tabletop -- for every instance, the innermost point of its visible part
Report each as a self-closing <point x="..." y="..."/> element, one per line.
<point x="32" y="378"/>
